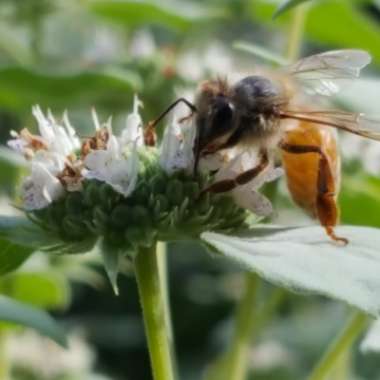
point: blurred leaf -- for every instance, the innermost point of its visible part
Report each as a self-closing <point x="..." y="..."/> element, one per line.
<point x="286" y="6"/>
<point x="261" y="52"/>
<point x="355" y="29"/>
<point x="41" y="289"/>
<point x="12" y="256"/>
<point x="22" y="87"/>
<point x="28" y="316"/>
<point x="360" y="200"/>
<point x="174" y="14"/>
<point x="305" y="259"/>
<point x="23" y="232"/>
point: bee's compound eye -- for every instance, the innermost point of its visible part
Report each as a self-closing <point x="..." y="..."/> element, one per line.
<point x="222" y="111"/>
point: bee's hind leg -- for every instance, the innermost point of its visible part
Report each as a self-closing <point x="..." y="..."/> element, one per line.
<point x="326" y="204"/>
<point x="326" y="207"/>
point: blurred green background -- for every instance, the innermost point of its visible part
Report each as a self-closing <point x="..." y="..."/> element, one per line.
<point x="66" y="54"/>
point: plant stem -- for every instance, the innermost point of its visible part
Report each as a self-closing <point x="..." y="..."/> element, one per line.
<point x="297" y="26"/>
<point x="4" y="365"/>
<point x="164" y="281"/>
<point x="154" y="313"/>
<point x="238" y="352"/>
<point x="343" y="342"/>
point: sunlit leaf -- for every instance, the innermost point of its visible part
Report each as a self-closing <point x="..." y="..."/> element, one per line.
<point x="12" y="256"/>
<point x="28" y="316"/>
<point x="174" y="14"/>
<point x="41" y="289"/>
<point x="22" y="87"/>
<point x="305" y="259"/>
<point x="286" y="6"/>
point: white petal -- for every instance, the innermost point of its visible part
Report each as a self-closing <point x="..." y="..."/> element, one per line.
<point x="371" y="342"/>
<point x="251" y="200"/>
<point x="305" y="259"/>
<point x="177" y="148"/>
<point x="44" y="126"/>
<point x="41" y="188"/>
<point x="123" y="174"/>
<point x="133" y="131"/>
<point x="18" y="145"/>
<point x="95" y="119"/>
<point x="96" y="164"/>
<point x="71" y="131"/>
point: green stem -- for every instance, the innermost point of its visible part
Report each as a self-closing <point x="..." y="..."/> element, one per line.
<point x="154" y="312"/>
<point x="164" y="281"/>
<point x="238" y="352"/>
<point x="297" y="26"/>
<point x="342" y="343"/>
<point x="4" y="364"/>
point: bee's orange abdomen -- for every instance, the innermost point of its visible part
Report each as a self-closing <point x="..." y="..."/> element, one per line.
<point x="302" y="169"/>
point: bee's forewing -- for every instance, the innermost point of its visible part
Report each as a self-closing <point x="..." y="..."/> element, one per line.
<point x="321" y="73"/>
<point x="356" y="123"/>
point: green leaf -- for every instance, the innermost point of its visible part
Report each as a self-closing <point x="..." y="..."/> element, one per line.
<point x="12" y="256"/>
<point x="305" y="259"/>
<point x="41" y="289"/>
<point x="261" y="52"/>
<point x="286" y="6"/>
<point x="21" y="87"/>
<point x="28" y="316"/>
<point x="172" y="14"/>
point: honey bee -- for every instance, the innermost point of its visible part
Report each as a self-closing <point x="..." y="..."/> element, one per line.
<point x="255" y="112"/>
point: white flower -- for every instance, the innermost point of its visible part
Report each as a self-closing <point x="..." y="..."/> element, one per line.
<point x="40" y="188"/>
<point x="371" y="341"/>
<point x="59" y="139"/>
<point x="176" y="152"/>
<point x="114" y="165"/>
<point x="133" y="131"/>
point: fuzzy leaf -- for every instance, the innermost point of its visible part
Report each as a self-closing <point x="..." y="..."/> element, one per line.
<point x="286" y="6"/>
<point x="305" y="259"/>
<point x="28" y="316"/>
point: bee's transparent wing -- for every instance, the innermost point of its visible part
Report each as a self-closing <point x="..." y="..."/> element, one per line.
<point x="322" y="73"/>
<point x="356" y="123"/>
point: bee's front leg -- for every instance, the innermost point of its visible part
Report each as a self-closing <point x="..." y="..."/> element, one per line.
<point x="327" y="210"/>
<point x="243" y="178"/>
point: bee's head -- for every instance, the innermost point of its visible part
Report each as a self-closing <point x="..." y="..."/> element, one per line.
<point x="215" y="117"/>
